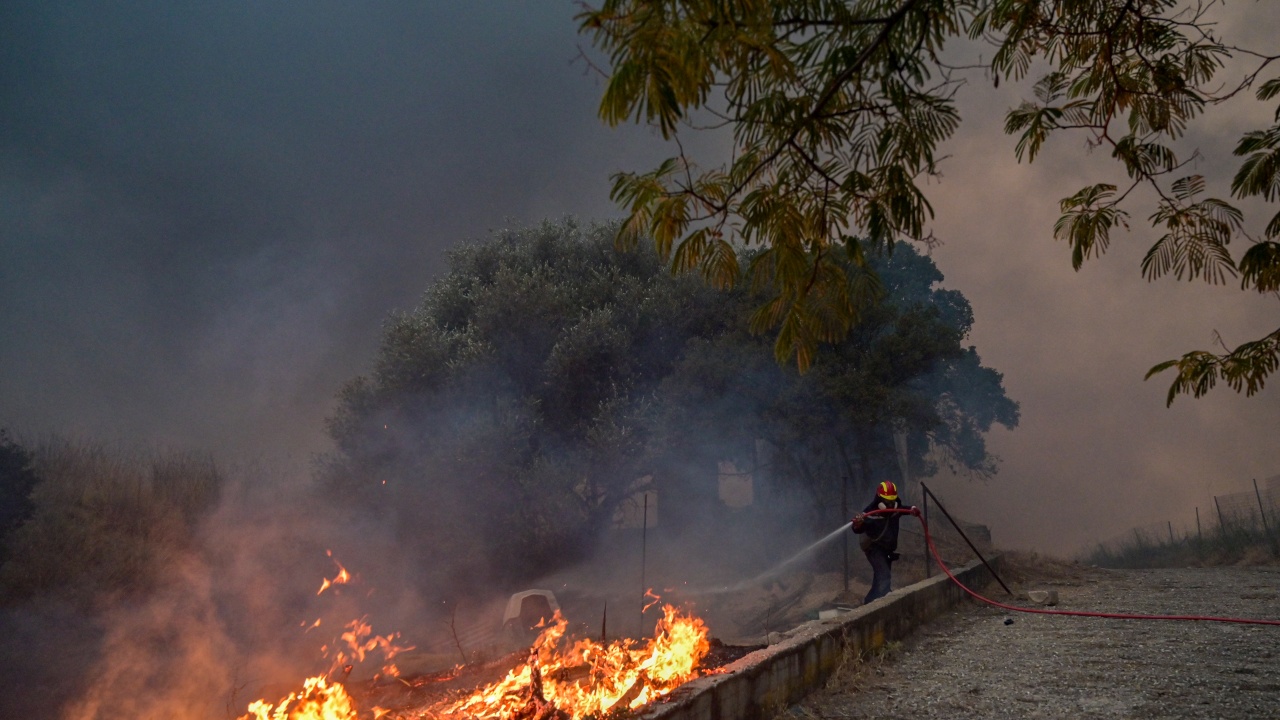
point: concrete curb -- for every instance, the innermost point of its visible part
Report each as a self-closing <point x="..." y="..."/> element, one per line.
<point x="760" y="684"/>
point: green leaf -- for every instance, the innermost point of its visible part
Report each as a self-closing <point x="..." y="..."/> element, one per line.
<point x="1144" y="159"/>
<point x="1260" y="172"/>
<point x="1245" y="368"/>
<point x="1195" y="245"/>
<point x="1036" y="123"/>
<point x="1269" y="89"/>
<point x="1087" y="220"/>
<point x="1260" y="267"/>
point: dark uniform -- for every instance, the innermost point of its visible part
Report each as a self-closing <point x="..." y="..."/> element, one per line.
<point x="880" y="539"/>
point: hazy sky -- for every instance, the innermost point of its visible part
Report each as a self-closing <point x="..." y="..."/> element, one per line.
<point x="206" y="212"/>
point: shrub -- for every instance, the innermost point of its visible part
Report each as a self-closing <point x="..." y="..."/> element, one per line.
<point x="105" y="521"/>
<point x="17" y="478"/>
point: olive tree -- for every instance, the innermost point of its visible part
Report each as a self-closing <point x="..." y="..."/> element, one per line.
<point x="506" y="416"/>
<point x="510" y="415"/>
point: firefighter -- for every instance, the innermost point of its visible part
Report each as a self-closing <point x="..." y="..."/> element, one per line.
<point x="879" y="538"/>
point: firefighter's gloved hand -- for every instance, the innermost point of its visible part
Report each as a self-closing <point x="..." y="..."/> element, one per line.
<point x="858" y="520"/>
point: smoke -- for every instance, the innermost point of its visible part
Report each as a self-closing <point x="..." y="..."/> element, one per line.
<point x="433" y="544"/>
<point x="233" y="618"/>
<point x="166" y="658"/>
<point x="207" y="211"/>
<point x="206" y="626"/>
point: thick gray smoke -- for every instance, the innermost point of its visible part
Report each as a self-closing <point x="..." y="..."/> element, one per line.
<point x="207" y="211"/>
<point x="218" y="614"/>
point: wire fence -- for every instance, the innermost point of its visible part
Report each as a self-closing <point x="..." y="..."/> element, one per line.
<point x="1226" y="526"/>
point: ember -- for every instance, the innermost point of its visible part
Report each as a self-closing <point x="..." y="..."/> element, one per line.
<point x="342" y="578"/>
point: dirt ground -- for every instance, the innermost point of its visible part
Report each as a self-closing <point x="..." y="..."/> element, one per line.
<point x="983" y="662"/>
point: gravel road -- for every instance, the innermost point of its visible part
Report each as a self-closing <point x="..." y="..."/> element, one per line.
<point x="973" y="663"/>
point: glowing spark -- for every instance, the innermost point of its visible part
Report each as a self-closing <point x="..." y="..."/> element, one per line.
<point x="342" y="578"/>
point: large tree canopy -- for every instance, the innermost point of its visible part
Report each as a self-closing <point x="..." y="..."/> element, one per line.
<point x="511" y="413"/>
<point x="837" y="110"/>
<point x="902" y="383"/>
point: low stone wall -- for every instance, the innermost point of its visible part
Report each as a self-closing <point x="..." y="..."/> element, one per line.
<point x="759" y="684"/>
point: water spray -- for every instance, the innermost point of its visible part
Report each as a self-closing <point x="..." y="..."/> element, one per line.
<point x="775" y="570"/>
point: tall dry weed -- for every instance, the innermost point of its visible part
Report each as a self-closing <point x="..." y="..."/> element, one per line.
<point x="107" y="519"/>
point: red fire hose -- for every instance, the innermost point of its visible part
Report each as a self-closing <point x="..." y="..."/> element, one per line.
<point x="1040" y="611"/>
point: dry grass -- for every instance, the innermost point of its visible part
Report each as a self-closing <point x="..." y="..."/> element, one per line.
<point x="855" y="669"/>
<point x="1238" y="545"/>
<point x="106" y="519"/>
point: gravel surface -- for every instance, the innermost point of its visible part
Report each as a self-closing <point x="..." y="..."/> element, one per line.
<point x="974" y="663"/>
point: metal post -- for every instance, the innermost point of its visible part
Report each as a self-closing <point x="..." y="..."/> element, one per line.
<point x="1199" y="533"/>
<point x="928" y="566"/>
<point x="1222" y="525"/>
<point x="1170" y="531"/>
<point x="644" y="551"/>
<point x="956" y="525"/>
<point x="1262" y="511"/>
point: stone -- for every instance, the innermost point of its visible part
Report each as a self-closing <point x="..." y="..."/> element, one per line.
<point x="1043" y="597"/>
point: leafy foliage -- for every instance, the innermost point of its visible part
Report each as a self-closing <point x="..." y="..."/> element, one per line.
<point x="505" y="417"/>
<point x="903" y="370"/>
<point x="837" y="110"/>
<point x="547" y="378"/>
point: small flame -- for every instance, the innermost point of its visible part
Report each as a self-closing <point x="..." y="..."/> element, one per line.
<point x="342" y="578"/>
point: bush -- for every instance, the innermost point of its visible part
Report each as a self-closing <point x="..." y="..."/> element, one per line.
<point x="16" y="482"/>
<point x="105" y="521"/>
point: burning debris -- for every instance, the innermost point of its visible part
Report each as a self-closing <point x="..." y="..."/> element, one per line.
<point x="559" y="678"/>
<point x="318" y="700"/>
<point x="584" y="678"/>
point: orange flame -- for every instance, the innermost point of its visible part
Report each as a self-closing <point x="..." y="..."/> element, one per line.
<point x="318" y="700"/>
<point x="586" y="679"/>
<point x="361" y="641"/>
<point x="591" y="679"/>
<point x="560" y="680"/>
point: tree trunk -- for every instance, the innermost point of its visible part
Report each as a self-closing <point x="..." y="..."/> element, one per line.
<point x="864" y="457"/>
